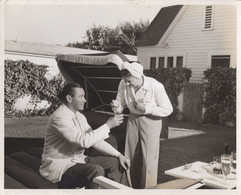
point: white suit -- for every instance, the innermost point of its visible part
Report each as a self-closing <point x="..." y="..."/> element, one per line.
<point x="67" y="137"/>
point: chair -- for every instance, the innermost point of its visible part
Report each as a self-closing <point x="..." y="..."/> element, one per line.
<point x="105" y="183"/>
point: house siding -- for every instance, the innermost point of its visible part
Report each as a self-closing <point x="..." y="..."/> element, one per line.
<point x="188" y="38"/>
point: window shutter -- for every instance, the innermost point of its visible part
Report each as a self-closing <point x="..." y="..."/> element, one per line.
<point x="153" y="63"/>
<point x="161" y="62"/>
<point x="208" y="17"/>
<point x="169" y="62"/>
<point x="179" y="61"/>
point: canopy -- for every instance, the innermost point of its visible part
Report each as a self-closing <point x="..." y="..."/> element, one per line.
<point x="99" y="75"/>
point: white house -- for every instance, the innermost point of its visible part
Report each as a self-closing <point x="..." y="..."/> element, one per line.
<point x="193" y="36"/>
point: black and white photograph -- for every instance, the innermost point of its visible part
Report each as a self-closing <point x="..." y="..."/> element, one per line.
<point x="120" y="96"/>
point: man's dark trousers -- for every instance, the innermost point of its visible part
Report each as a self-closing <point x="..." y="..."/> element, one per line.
<point x="81" y="174"/>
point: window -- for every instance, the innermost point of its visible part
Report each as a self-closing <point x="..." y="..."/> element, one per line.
<point x="220" y="61"/>
<point x="169" y="62"/>
<point x="208" y="23"/>
<point x="175" y="61"/>
<point x="153" y="63"/>
<point x="179" y="61"/>
<point x="161" y="62"/>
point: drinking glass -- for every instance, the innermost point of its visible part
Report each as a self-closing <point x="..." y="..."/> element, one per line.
<point x="226" y="165"/>
<point x="217" y="159"/>
<point x="233" y="164"/>
<point x="216" y="165"/>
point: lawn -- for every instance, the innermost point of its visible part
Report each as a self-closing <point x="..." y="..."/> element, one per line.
<point x="174" y="152"/>
<point x="25" y="127"/>
<point x="35" y="128"/>
<point x="203" y="147"/>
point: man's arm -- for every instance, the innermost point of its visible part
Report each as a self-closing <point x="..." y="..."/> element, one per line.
<point x="107" y="149"/>
<point x="66" y="128"/>
<point x="83" y="137"/>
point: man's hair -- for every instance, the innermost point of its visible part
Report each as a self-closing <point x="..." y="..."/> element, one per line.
<point x="68" y="90"/>
<point x="125" y="73"/>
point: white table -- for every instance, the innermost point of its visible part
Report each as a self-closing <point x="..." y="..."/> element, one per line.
<point x="201" y="170"/>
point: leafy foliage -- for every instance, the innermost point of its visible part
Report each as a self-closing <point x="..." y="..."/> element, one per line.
<point x="105" y="38"/>
<point x="220" y="95"/>
<point x="25" y="78"/>
<point x="174" y="80"/>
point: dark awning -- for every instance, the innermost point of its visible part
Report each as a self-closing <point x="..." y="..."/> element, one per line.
<point x="99" y="75"/>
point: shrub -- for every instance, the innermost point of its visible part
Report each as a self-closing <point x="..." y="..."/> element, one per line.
<point x="174" y="80"/>
<point x="26" y="78"/>
<point x="220" y="95"/>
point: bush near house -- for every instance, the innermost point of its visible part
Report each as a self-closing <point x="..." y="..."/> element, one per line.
<point x="25" y="78"/>
<point x="174" y="80"/>
<point x="220" y="96"/>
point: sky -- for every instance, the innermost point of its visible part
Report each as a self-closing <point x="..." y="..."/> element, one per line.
<point x="62" y="24"/>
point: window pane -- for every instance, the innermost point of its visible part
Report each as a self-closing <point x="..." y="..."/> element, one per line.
<point x="169" y="62"/>
<point x="153" y="63"/>
<point x="161" y="62"/>
<point x="220" y="61"/>
<point x="179" y="61"/>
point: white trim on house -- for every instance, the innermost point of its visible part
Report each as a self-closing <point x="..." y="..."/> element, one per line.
<point x="161" y="42"/>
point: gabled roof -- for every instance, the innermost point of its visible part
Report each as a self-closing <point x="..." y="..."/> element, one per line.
<point x="158" y="26"/>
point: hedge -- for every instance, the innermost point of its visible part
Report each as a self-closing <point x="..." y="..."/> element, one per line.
<point x="220" y="96"/>
<point x="174" y="80"/>
<point x="26" y="78"/>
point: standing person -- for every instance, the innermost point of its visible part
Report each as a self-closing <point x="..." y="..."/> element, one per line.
<point x="68" y="136"/>
<point x="148" y="102"/>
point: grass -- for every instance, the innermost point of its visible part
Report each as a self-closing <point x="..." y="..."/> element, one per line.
<point x="25" y="127"/>
<point x="202" y="147"/>
<point x="173" y="153"/>
<point x="35" y="128"/>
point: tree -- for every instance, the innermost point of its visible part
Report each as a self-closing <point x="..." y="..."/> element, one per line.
<point x="105" y="38"/>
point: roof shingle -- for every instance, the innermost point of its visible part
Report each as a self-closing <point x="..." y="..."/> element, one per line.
<point x="158" y="26"/>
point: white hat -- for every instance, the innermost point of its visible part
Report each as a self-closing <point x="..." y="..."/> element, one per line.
<point x="135" y="68"/>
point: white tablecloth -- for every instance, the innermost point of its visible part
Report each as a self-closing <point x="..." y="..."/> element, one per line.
<point x="202" y="170"/>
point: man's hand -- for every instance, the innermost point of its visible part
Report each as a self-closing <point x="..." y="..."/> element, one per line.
<point x="115" y="121"/>
<point x="139" y="105"/>
<point x="125" y="162"/>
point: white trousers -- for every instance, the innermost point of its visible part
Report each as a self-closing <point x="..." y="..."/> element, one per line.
<point x="142" y="148"/>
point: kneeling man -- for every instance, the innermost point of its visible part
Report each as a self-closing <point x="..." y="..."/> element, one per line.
<point x="67" y="137"/>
